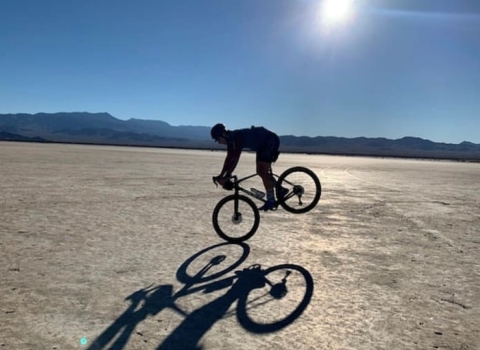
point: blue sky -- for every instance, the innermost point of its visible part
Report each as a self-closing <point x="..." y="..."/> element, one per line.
<point x="392" y="69"/>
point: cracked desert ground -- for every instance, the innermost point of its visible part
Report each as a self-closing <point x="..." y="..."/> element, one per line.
<point x="113" y="248"/>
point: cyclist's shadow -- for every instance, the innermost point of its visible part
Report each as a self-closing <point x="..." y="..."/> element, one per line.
<point x="188" y="334"/>
<point x="153" y="301"/>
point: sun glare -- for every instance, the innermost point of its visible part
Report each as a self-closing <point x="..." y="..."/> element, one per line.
<point x="334" y="11"/>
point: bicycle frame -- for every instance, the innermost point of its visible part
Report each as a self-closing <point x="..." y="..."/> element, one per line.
<point x="237" y="188"/>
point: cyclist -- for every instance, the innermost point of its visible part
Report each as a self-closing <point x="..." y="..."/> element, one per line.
<point x="259" y="139"/>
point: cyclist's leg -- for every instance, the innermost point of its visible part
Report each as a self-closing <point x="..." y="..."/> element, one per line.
<point x="266" y="155"/>
<point x="264" y="171"/>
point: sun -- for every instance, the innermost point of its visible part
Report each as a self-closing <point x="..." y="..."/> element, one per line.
<point x="334" y="11"/>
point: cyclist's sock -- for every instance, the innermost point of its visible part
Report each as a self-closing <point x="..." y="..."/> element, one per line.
<point x="270" y="196"/>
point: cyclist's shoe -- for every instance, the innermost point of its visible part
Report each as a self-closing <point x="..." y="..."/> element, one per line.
<point x="269" y="205"/>
<point x="282" y="192"/>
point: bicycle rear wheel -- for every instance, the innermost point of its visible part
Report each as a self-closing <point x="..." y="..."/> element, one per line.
<point x="235" y="218"/>
<point x="304" y="190"/>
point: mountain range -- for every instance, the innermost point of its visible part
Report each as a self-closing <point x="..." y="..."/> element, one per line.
<point x="103" y="128"/>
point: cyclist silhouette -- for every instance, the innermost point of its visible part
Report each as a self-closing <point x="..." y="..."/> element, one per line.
<point x="259" y="139"/>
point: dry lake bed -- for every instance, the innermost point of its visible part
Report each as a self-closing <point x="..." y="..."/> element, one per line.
<point x="113" y="248"/>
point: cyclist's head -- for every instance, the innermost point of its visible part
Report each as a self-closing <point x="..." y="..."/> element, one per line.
<point x="217" y="131"/>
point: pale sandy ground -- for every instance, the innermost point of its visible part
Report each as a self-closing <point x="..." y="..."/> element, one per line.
<point x="108" y="244"/>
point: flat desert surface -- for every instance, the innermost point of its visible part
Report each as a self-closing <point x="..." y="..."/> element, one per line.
<point x="114" y="248"/>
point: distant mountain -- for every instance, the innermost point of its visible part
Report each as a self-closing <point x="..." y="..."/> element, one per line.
<point x="47" y="123"/>
<point x="8" y="136"/>
<point x="103" y="128"/>
<point x="158" y="127"/>
<point x="404" y="147"/>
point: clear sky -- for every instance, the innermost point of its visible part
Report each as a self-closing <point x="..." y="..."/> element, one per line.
<point x="381" y="68"/>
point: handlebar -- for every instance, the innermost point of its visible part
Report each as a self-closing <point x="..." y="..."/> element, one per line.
<point x="228" y="185"/>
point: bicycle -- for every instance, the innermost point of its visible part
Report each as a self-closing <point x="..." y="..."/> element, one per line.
<point x="233" y="226"/>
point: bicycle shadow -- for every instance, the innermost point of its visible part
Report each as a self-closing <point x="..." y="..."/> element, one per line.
<point x="152" y="300"/>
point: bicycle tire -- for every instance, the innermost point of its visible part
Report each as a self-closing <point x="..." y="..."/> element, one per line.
<point x="225" y="235"/>
<point x="184" y="277"/>
<point x="284" y="201"/>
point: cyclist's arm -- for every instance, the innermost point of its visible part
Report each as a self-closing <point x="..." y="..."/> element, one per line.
<point x="233" y="155"/>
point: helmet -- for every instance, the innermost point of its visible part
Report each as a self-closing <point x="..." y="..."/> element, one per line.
<point x="217" y="131"/>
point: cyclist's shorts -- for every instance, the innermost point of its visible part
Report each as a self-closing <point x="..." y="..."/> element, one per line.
<point x="268" y="152"/>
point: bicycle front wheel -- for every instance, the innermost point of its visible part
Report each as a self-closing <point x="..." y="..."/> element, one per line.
<point x="304" y="190"/>
<point x="236" y="218"/>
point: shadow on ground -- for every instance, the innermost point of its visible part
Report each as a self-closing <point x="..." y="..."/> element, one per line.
<point x="151" y="301"/>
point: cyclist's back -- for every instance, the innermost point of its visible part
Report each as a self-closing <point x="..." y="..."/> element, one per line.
<point x="253" y="138"/>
